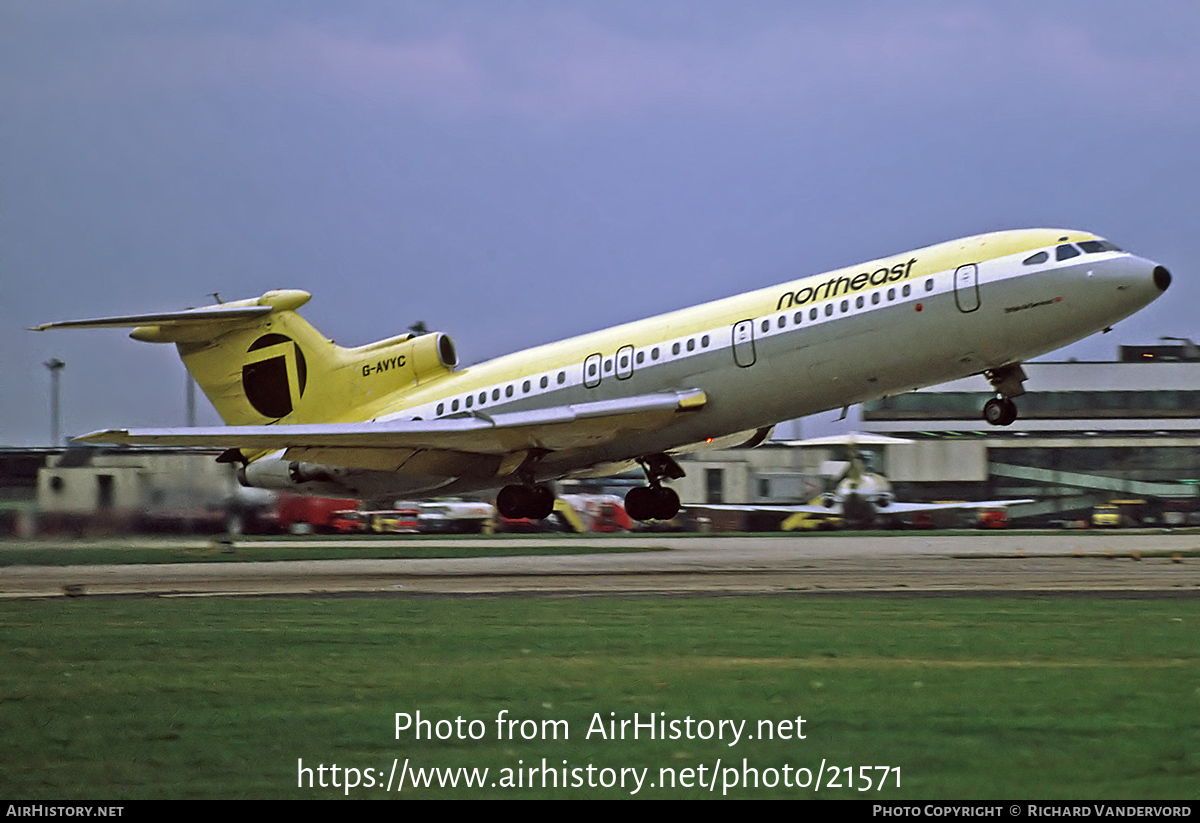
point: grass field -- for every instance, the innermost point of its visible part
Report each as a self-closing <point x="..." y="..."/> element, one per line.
<point x="968" y="698"/>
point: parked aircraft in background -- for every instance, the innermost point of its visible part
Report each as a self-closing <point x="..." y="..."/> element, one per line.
<point x="399" y="418"/>
<point x="860" y="498"/>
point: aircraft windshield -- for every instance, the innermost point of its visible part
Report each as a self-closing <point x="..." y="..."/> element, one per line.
<point x="1094" y="246"/>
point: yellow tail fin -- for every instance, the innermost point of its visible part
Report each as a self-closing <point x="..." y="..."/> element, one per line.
<point x="260" y="362"/>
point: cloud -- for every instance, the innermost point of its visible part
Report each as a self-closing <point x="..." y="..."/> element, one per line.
<point x="563" y="66"/>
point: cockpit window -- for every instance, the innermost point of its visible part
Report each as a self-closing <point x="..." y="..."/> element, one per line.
<point x="1034" y="259"/>
<point x="1094" y="246"/>
<point x="1065" y="252"/>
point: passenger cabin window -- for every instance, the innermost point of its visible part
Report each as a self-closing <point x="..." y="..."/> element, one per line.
<point x="766" y="325"/>
<point x="545" y="382"/>
<point x="858" y="302"/>
<point x="891" y="294"/>
<point x="482" y="397"/>
<point x="495" y="395"/>
<point x="929" y="284"/>
<point x="691" y="346"/>
<point x="907" y="290"/>
<point x="1065" y="252"/>
<point x="675" y="348"/>
<point x="798" y="317"/>
<point x="454" y="406"/>
<point x="1035" y="259"/>
<point x="654" y="353"/>
<point x="782" y="321"/>
<point x="562" y="377"/>
<point x="812" y="314"/>
<point x="875" y="299"/>
<point x="845" y="307"/>
<point x="828" y="309"/>
<point x="525" y="387"/>
<point x="470" y="400"/>
<point x="704" y="342"/>
<point x="508" y="391"/>
<point x="441" y="408"/>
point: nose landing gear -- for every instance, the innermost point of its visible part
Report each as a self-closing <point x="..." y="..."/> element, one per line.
<point x="1000" y="411"/>
<point x="1008" y="381"/>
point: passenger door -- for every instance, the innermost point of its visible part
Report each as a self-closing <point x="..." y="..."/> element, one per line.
<point x="966" y="287"/>
<point x="743" y="343"/>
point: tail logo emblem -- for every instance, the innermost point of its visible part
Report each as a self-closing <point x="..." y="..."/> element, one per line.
<point x="275" y="376"/>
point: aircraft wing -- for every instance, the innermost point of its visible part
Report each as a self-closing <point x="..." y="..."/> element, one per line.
<point x="891" y="508"/>
<point x="911" y="508"/>
<point x="555" y="428"/>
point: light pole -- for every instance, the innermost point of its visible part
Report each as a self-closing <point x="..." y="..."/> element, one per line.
<point x="55" y="366"/>
<point x="191" y="400"/>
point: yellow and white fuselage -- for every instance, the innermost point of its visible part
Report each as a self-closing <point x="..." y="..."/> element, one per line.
<point x="397" y="417"/>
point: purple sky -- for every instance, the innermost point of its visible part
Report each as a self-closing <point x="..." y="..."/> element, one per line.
<point x="517" y="172"/>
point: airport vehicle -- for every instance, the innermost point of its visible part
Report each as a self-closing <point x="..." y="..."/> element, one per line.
<point x="348" y="521"/>
<point x="454" y="517"/>
<point x="992" y="518"/>
<point x="1119" y="514"/>
<point x="1179" y="512"/>
<point x="399" y="418"/>
<point x="594" y="513"/>
<point x="406" y="520"/>
<point x="303" y="514"/>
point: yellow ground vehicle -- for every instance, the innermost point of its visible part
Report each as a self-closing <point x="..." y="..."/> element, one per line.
<point x="1118" y="514"/>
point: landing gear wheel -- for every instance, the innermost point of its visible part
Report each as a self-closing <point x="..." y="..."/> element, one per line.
<point x="533" y="502"/>
<point x="1000" y="411"/>
<point x="511" y="502"/>
<point x="639" y="504"/>
<point x="666" y="503"/>
<point x="541" y="502"/>
<point x="647" y="503"/>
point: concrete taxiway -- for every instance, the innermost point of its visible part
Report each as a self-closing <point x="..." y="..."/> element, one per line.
<point x="1149" y="564"/>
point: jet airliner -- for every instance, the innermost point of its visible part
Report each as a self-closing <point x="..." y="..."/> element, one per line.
<point x="399" y="417"/>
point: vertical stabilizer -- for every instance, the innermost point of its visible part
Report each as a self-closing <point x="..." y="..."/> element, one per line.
<point x="259" y="362"/>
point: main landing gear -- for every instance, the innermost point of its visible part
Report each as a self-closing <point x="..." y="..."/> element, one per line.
<point x="535" y="502"/>
<point x="1008" y="381"/>
<point x="656" y="501"/>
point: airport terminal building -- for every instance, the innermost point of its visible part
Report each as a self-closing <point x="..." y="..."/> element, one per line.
<point x="1088" y="433"/>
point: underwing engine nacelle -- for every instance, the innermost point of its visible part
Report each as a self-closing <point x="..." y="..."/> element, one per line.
<point x="296" y="477"/>
<point x="321" y="480"/>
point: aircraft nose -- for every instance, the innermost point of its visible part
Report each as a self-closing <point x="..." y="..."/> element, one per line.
<point x="1162" y="277"/>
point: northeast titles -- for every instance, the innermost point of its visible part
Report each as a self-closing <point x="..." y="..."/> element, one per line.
<point x="656" y="726"/>
<point x="845" y="284"/>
